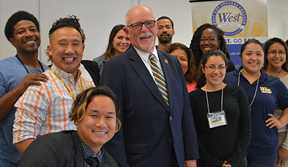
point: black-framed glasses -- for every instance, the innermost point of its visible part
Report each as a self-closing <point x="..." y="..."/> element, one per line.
<point x="203" y="40"/>
<point x="213" y="68"/>
<point x="273" y="53"/>
<point x="138" y="25"/>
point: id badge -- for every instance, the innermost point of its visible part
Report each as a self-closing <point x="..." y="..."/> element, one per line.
<point x="216" y="119"/>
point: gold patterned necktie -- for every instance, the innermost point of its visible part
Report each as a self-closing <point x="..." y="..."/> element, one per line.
<point x="159" y="78"/>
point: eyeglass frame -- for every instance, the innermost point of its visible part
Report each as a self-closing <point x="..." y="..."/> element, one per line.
<point x="208" y="39"/>
<point x="275" y="53"/>
<point x="214" y="68"/>
<point x="132" y="25"/>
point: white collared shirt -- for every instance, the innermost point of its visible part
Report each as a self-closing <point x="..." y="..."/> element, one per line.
<point x="145" y="58"/>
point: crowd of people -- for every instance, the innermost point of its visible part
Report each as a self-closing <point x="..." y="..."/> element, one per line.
<point x="140" y="104"/>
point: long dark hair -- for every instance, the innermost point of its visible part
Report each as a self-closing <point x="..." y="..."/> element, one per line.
<point x="195" y="42"/>
<point x="110" y="51"/>
<point x="255" y="41"/>
<point x="191" y="72"/>
<point x="267" y="45"/>
<point x="201" y="79"/>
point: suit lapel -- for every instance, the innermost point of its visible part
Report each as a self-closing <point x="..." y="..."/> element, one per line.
<point x="168" y="74"/>
<point x="140" y="68"/>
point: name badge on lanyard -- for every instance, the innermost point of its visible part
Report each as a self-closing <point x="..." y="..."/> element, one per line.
<point x="216" y="119"/>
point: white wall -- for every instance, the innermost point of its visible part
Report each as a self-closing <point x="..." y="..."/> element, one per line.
<point x="97" y="17"/>
<point x="7" y="8"/>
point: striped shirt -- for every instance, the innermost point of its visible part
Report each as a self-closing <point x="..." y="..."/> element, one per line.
<point x="45" y="108"/>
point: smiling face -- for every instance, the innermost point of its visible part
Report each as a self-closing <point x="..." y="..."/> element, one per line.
<point x="144" y="38"/>
<point x="66" y="49"/>
<point x="276" y="55"/>
<point x="252" y="58"/>
<point x="214" y="77"/>
<point x="165" y="31"/>
<point x="98" y="125"/>
<point x="26" y="37"/>
<point x="205" y="46"/>
<point x="182" y="57"/>
<point x="121" y="42"/>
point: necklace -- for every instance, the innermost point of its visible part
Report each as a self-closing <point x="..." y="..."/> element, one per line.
<point x="25" y="66"/>
<point x="271" y="74"/>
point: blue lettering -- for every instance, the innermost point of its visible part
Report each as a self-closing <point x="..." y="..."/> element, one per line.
<point x="238" y="17"/>
<point x="225" y="16"/>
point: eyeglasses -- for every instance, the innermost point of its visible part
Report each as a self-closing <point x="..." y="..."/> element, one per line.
<point x="273" y="53"/>
<point x="203" y="40"/>
<point x="138" y="25"/>
<point x="213" y="68"/>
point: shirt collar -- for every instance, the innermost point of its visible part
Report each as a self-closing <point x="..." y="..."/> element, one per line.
<point x="262" y="78"/>
<point x="145" y="56"/>
<point x="87" y="152"/>
<point x="64" y="75"/>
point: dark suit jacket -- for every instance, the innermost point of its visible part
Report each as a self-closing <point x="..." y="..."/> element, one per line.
<point x="149" y="124"/>
<point x="59" y="149"/>
<point x="93" y="70"/>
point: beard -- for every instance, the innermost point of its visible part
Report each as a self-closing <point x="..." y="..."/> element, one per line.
<point x="165" y="40"/>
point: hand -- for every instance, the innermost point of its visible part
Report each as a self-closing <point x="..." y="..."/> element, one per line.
<point x="282" y="156"/>
<point x="31" y="79"/>
<point x="273" y="122"/>
<point x="190" y="163"/>
<point x="226" y="164"/>
<point x="9" y="99"/>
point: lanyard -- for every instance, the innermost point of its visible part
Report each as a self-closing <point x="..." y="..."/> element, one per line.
<point x="255" y="89"/>
<point x="278" y="73"/>
<point x="208" y="108"/>
<point x="66" y="85"/>
<point x="25" y="66"/>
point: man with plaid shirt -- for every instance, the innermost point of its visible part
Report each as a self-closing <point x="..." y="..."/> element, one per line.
<point x="45" y="108"/>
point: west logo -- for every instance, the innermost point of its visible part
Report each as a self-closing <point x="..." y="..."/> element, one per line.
<point x="228" y="16"/>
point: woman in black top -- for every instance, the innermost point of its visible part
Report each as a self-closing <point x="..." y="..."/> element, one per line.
<point x="221" y="114"/>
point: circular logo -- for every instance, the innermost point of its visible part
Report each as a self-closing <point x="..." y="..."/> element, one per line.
<point x="230" y="17"/>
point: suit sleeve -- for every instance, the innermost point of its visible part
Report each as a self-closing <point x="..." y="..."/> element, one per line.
<point x="47" y="151"/>
<point x="112" y="79"/>
<point x="188" y="127"/>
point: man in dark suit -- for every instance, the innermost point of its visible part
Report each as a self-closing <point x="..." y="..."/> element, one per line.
<point x="158" y="128"/>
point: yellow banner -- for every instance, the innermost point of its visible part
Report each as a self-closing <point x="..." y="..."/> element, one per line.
<point x="242" y="18"/>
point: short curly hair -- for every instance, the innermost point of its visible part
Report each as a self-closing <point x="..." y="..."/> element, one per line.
<point x="15" y="18"/>
<point x="195" y="42"/>
<point x="84" y="98"/>
<point x="69" y="21"/>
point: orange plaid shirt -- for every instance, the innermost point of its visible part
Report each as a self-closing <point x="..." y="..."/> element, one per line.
<point x="45" y="108"/>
